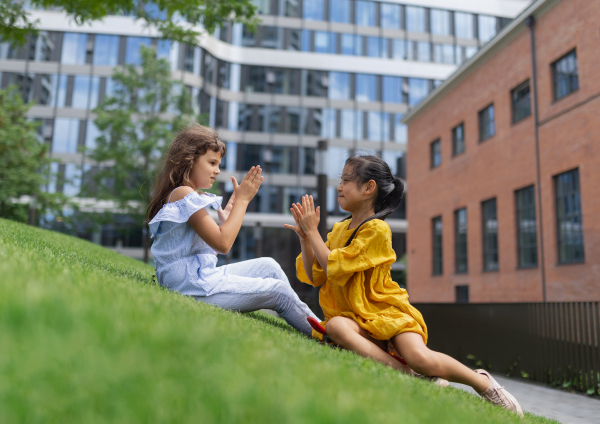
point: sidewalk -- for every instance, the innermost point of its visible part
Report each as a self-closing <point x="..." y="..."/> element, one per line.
<point x="565" y="407"/>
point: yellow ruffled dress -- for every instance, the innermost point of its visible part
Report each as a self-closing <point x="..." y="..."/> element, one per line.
<point x="358" y="283"/>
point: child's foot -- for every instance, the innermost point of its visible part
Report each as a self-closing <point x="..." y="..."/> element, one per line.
<point x="498" y="395"/>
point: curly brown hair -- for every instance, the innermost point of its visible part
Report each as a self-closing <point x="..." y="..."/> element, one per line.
<point x="176" y="164"/>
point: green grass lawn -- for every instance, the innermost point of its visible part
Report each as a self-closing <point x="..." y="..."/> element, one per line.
<point x="87" y="337"/>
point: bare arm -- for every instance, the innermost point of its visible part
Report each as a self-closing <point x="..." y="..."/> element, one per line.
<point x="309" y="218"/>
<point x="308" y="257"/>
<point x="221" y="238"/>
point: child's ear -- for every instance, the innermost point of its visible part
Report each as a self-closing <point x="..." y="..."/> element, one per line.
<point x="371" y="186"/>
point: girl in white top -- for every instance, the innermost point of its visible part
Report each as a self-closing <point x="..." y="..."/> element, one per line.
<point x="186" y="238"/>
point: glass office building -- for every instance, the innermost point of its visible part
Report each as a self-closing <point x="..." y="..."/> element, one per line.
<point x="341" y="70"/>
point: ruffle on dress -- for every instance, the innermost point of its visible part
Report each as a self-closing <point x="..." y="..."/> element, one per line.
<point x="181" y="210"/>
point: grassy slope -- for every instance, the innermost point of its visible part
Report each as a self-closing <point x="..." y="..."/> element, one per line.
<point x="87" y="337"/>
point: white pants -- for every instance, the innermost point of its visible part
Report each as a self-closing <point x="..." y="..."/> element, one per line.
<point x="265" y="286"/>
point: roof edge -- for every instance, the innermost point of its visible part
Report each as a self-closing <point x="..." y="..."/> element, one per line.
<point x="507" y="34"/>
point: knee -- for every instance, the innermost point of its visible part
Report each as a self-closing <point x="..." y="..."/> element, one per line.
<point x="420" y="360"/>
<point x="336" y="327"/>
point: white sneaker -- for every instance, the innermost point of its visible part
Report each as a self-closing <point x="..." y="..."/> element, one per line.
<point x="498" y="395"/>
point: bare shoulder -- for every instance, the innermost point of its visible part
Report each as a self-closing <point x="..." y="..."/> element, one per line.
<point x="180" y="193"/>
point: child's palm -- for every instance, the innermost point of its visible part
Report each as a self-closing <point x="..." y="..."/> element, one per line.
<point x="297" y="228"/>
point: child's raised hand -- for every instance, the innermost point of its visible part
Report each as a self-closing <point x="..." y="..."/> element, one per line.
<point x="297" y="228"/>
<point x="223" y="214"/>
<point x="309" y="217"/>
<point x="249" y="185"/>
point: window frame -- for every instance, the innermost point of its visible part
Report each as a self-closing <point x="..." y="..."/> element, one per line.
<point x="437" y="257"/>
<point x="437" y="142"/>
<point x="561" y="261"/>
<point x="519" y="210"/>
<point x="458" y="243"/>
<point x="514" y="103"/>
<point x="481" y="126"/>
<point x="553" y="67"/>
<point x="455" y="151"/>
<point x="459" y="292"/>
<point x="484" y="234"/>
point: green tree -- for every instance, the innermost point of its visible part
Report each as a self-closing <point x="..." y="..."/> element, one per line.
<point x="136" y="125"/>
<point x="24" y="163"/>
<point x="170" y="18"/>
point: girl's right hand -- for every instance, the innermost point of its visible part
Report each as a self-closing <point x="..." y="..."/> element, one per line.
<point x="248" y="187"/>
<point x="297" y="228"/>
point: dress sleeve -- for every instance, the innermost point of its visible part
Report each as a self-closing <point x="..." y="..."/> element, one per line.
<point x="372" y="246"/>
<point x="181" y="210"/>
<point x="319" y="277"/>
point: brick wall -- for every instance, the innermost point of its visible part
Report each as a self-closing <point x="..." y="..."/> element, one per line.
<point x="569" y="137"/>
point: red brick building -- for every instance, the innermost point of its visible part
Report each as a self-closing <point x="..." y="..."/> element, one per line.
<point x="504" y="200"/>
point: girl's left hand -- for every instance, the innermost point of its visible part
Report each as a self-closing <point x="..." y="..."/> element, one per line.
<point x="309" y="217"/>
<point x="223" y="214"/>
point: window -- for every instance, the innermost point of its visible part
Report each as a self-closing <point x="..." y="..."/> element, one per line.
<point x="81" y="90"/>
<point x="322" y="42"/>
<point x="418" y="89"/>
<point x="66" y="135"/>
<point x="443" y="53"/>
<point x="392" y="89"/>
<point x="526" y="227"/>
<point x="463" y="25"/>
<point x="365" y="13"/>
<point x="132" y="50"/>
<point x="106" y="50"/>
<point x="313" y="10"/>
<point x="565" y="75"/>
<point x="339" y="11"/>
<point x="373" y="46"/>
<point x="487" y="128"/>
<point x="436" y="153"/>
<point x="339" y="86"/>
<point x="375" y="126"/>
<point x="460" y="241"/>
<point x="458" y="139"/>
<point x="440" y="22"/>
<point x="462" y="294"/>
<point x="415" y="19"/>
<point x="521" y="102"/>
<point x="568" y="217"/>
<point x="347" y="126"/>
<point x="73" y="48"/>
<point x="399" y="49"/>
<point x="487" y="27"/>
<point x="391" y="16"/>
<point x="366" y="88"/>
<point x="490" y="235"/>
<point x="347" y="44"/>
<point x="400" y="129"/>
<point x="419" y="50"/>
<point x="436" y="229"/>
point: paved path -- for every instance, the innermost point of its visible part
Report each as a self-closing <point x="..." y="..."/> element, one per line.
<point x="565" y="407"/>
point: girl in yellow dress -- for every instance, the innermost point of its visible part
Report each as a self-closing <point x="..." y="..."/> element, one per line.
<point x="364" y="308"/>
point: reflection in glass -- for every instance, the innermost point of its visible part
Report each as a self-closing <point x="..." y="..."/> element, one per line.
<point x="81" y="91"/>
<point x="321" y="42"/>
<point x="339" y="85"/>
<point x="443" y="53"/>
<point x="399" y="49"/>
<point x="132" y="49"/>
<point x="392" y="89"/>
<point x="418" y="90"/>
<point x="106" y="50"/>
<point x="313" y="10"/>
<point x="366" y="88"/>
<point x="365" y="13"/>
<point x="91" y="134"/>
<point x="463" y="25"/>
<point x="487" y="27"/>
<point x="373" y="46"/>
<point x="73" y="48"/>
<point x="415" y="19"/>
<point x="61" y="92"/>
<point x="166" y="49"/>
<point x="336" y="157"/>
<point x="66" y="134"/>
<point x="394" y="160"/>
<point x="72" y="181"/>
<point x="375" y="126"/>
<point x="305" y="40"/>
<point x="400" y="129"/>
<point x="329" y="123"/>
<point x="339" y="11"/>
<point x="347" y="125"/>
<point x="390" y="16"/>
<point x="440" y="22"/>
<point x="347" y="44"/>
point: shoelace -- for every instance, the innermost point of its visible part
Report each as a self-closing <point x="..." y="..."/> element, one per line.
<point x="496" y="398"/>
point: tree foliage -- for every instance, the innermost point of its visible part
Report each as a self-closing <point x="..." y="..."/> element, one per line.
<point x="23" y="160"/>
<point x="173" y="19"/>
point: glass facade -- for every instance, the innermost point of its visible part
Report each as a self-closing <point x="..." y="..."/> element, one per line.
<point x="106" y="50"/>
<point x="440" y="22"/>
<point x="463" y="25"/>
<point x="74" y="48"/>
<point x="415" y="19"/>
<point x="365" y="13"/>
<point x="391" y="16"/>
<point x="313" y="10"/>
<point x="340" y="11"/>
<point x="132" y="50"/>
<point x="366" y="88"/>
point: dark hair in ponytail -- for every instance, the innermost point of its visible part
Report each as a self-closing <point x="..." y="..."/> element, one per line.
<point x="390" y="189"/>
